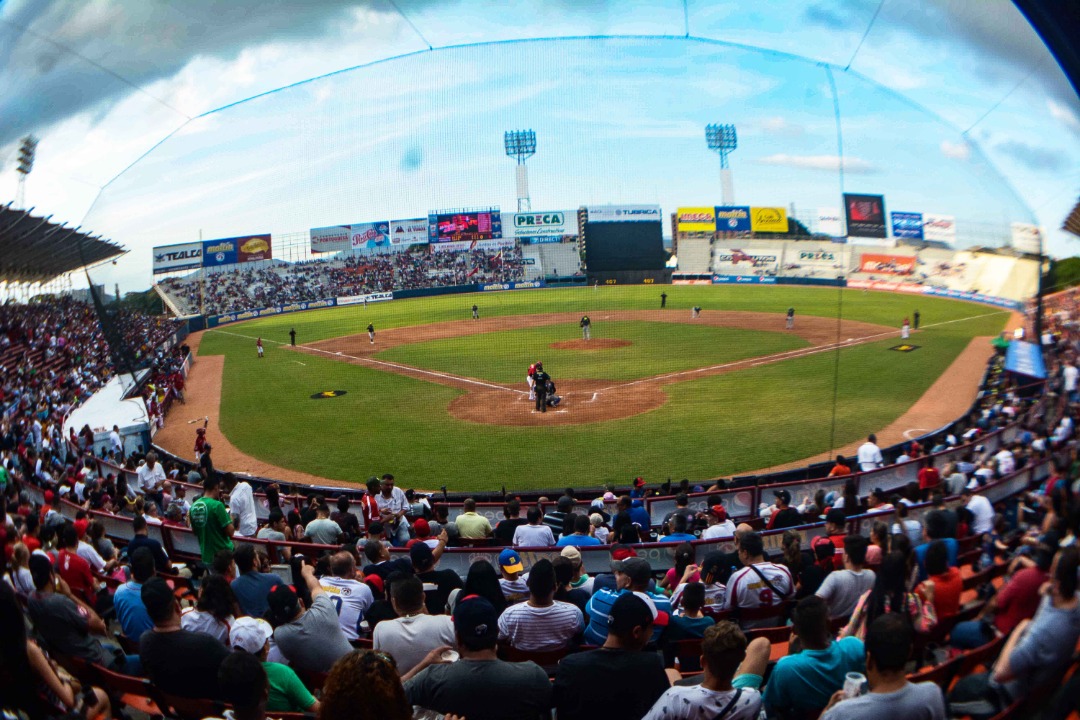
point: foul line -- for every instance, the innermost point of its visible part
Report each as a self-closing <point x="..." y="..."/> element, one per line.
<point x="790" y="354"/>
<point x="383" y="363"/>
<point x="749" y="362"/>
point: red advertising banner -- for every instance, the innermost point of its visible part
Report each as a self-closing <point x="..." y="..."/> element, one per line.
<point x="254" y="248"/>
<point x="886" y="264"/>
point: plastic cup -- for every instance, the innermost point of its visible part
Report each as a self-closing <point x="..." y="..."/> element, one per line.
<point x="854" y="685"/>
<point x="449" y="656"/>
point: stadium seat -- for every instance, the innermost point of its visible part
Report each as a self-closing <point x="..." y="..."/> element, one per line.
<point x="363" y="643"/>
<point x="941" y="674"/>
<point x="548" y="659"/>
<point x="187" y="708"/>
<point x="778" y="637"/>
<point x="313" y="681"/>
<point x="687" y="655"/>
<point x="981" y="658"/>
<point x="132" y="692"/>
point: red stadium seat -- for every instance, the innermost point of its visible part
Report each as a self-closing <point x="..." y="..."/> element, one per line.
<point x="187" y="708"/>
<point x="133" y="692"/>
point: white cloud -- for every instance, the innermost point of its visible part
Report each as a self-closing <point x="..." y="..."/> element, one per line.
<point x="956" y="150"/>
<point x="780" y="126"/>
<point x="829" y="163"/>
<point x="1065" y="115"/>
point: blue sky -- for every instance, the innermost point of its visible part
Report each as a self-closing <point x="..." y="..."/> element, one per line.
<point x="945" y="108"/>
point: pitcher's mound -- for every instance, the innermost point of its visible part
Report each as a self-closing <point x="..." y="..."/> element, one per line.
<point x="597" y="344"/>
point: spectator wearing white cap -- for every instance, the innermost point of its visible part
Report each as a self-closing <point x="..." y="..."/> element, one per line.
<point x="287" y="693"/>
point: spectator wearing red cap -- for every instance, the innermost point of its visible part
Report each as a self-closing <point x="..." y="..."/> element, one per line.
<point x="638" y="491"/>
<point x="720" y="526"/>
<point x="620" y="679"/>
<point x="422" y="528"/>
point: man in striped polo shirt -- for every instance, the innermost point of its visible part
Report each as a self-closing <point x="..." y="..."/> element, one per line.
<point x="541" y="623"/>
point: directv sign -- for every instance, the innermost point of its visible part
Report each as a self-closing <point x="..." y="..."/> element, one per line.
<point x="170" y="258"/>
<point x="623" y="213"/>
<point x="543" y="224"/>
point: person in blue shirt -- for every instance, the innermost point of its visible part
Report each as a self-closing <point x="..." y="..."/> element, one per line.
<point x="127" y="600"/>
<point x="631" y="575"/>
<point x="935" y="527"/>
<point x="580" y="537"/>
<point x="640" y="517"/>
<point x="252" y="587"/>
<point x="679" y="530"/>
<point x="802" y="684"/>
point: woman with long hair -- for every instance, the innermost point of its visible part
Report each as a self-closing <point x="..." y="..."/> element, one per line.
<point x="890" y="594"/>
<point x="364" y="685"/>
<point x="849" y="501"/>
<point x="18" y="575"/>
<point x="879" y="544"/>
<point x="482" y="580"/>
<point x="684" y="560"/>
<point x="215" y="610"/>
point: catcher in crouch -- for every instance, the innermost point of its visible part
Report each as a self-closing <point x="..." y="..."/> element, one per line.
<point x="551" y="398"/>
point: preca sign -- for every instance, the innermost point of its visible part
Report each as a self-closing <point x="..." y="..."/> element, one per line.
<point x="539" y="224"/>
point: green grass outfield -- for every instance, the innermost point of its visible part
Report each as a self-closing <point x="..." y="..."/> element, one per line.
<point x="720" y="425"/>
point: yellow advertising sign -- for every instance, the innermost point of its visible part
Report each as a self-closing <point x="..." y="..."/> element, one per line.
<point x="696" y="219"/>
<point x="768" y="219"/>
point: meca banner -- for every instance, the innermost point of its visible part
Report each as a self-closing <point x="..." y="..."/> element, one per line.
<point x="696" y="219"/>
<point x="540" y="224"/>
<point x="185" y="256"/>
<point x="623" y="213"/>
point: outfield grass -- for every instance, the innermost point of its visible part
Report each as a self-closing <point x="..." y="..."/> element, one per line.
<point x="655" y="348"/>
<point x="720" y="425"/>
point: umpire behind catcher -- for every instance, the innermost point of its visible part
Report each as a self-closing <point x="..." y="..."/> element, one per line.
<point x="542" y="379"/>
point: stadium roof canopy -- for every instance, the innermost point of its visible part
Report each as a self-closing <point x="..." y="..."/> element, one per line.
<point x="32" y="249"/>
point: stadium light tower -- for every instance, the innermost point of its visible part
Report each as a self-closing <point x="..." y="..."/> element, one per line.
<point x="521" y="144"/>
<point x="722" y="139"/>
<point x="27" y="151"/>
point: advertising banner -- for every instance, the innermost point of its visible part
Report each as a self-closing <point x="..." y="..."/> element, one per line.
<point x="1026" y="238"/>
<point x="184" y="256"/>
<point x="455" y="227"/>
<point x="215" y="320"/>
<point x="865" y="215"/>
<point x="542" y="224"/>
<point x="623" y="213"/>
<point x="413" y="231"/>
<point x="735" y="261"/>
<point x="768" y="219"/>
<point x="743" y="280"/>
<point x="696" y="219"/>
<point x="529" y="285"/>
<point x="894" y="286"/>
<point x="365" y="299"/>
<point x="541" y="240"/>
<point x="485" y="245"/>
<point x="255" y="248"/>
<point x="1026" y="359"/>
<point x="816" y="257"/>
<point x="907" y="225"/>
<point x="828" y="222"/>
<point x="733" y="218"/>
<point x="220" y="252"/>
<point x="886" y="264"/>
<point x="334" y="238"/>
<point x="369" y="235"/>
<point x="939" y="228"/>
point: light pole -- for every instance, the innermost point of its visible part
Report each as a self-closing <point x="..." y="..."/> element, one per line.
<point x="521" y="144"/>
<point x="723" y="140"/>
<point x="27" y="151"/>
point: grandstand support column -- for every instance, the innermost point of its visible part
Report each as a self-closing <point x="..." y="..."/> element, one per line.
<point x="727" y="186"/>
<point x="523" y="202"/>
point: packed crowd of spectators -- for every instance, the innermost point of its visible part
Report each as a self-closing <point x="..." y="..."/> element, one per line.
<point x="853" y="626"/>
<point x="414" y="268"/>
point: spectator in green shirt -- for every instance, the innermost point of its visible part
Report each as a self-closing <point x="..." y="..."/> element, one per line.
<point x="287" y="692"/>
<point x="210" y="521"/>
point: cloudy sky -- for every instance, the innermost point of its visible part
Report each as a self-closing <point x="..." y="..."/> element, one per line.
<point x="160" y="120"/>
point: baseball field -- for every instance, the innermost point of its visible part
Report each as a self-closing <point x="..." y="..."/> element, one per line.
<point x="441" y="399"/>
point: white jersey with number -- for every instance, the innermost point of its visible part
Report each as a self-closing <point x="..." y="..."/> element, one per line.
<point x="746" y="589"/>
<point x="351" y="599"/>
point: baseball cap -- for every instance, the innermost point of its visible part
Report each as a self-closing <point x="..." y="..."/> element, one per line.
<point x="283" y="602"/>
<point x="571" y="553"/>
<point x="836" y="516"/>
<point x="609" y="497"/>
<point x="81" y="527"/>
<point x="711" y="563"/>
<point x="475" y="617"/>
<point x="422" y="528"/>
<point x="421" y="555"/>
<point x="639" y="482"/>
<point x="374" y="582"/>
<point x="509" y="561"/>
<point x="719" y="512"/>
<point x="49" y="495"/>
<point x="250" y="634"/>
<point x="638" y="569"/>
<point x="822" y="542"/>
<point x="621" y="552"/>
<point x="783" y="495"/>
<point x="632" y="610"/>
